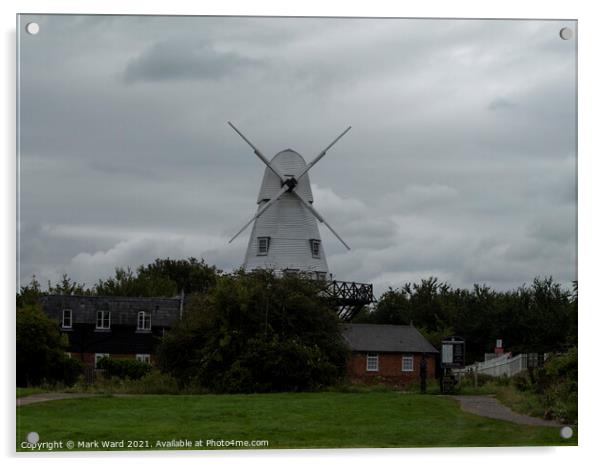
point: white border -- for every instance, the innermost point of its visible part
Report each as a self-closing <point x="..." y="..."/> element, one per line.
<point x="590" y="233"/>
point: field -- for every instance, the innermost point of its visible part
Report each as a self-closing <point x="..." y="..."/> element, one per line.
<point x="21" y="392"/>
<point x="285" y="420"/>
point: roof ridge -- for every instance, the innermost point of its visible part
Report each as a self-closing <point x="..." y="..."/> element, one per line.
<point x="108" y="296"/>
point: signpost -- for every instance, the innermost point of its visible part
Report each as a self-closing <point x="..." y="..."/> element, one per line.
<point x="453" y="355"/>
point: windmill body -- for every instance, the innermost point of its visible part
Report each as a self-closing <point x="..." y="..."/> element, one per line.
<point x="286" y="237"/>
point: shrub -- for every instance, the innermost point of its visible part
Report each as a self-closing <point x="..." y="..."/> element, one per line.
<point x="549" y="391"/>
<point x="122" y="368"/>
<point x="70" y="369"/>
<point x="153" y="383"/>
<point x="41" y="351"/>
<point x="254" y="332"/>
<point x="521" y="382"/>
<point x="156" y="383"/>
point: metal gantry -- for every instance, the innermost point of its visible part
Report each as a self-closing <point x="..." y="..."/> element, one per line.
<point x="347" y="297"/>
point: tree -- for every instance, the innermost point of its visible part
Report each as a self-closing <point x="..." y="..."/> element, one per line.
<point x="541" y="317"/>
<point x="164" y="277"/>
<point x="127" y="283"/>
<point x="41" y="350"/>
<point x="189" y="275"/>
<point x="29" y="294"/>
<point x="254" y="332"/>
<point x="68" y="287"/>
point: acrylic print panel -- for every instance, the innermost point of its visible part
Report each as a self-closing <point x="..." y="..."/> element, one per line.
<point x="444" y="220"/>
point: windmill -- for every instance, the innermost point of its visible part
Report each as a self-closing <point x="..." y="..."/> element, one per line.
<point x="285" y="236"/>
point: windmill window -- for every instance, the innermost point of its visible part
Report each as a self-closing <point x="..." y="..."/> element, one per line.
<point x="67" y="320"/>
<point x="372" y="362"/>
<point x="144" y="321"/>
<point x="321" y="276"/>
<point x="315" y="248"/>
<point x="263" y="245"/>
<point x="103" y="320"/>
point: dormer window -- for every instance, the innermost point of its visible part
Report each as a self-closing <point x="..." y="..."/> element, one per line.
<point x="263" y="245"/>
<point x="144" y="321"/>
<point x="67" y="318"/>
<point x="314" y="245"/>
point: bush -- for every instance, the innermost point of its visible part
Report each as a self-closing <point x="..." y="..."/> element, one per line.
<point x="522" y="382"/>
<point x="41" y="349"/>
<point x="70" y="369"/>
<point x="549" y="391"/>
<point x="153" y="383"/>
<point x="254" y="332"/>
<point x="558" y="386"/>
<point x="157" y="383"/>
<point x="123" y="368"/>
<point x="277" y="365"/>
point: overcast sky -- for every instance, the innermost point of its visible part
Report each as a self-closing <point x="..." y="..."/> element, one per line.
<point x="461" y="163"/>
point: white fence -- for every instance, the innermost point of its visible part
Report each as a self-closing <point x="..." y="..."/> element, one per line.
<point x="503" y="365"/>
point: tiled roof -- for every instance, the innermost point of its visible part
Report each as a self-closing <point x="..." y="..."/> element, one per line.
<point x="386" y="338"/>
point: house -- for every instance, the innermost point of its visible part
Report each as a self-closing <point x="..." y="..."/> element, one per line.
<point x="387" y="353"/>
<point x="117" y="327"/>
<point x="131" y="328"/>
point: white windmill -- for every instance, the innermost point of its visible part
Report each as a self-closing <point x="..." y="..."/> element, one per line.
<point x="285" y="236"/>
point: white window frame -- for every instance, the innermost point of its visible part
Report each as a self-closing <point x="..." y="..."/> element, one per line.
<point x="70" y="318"/>
<point x="314" y="246"/>
<point x="98" y="357"/>
<point x="260" y="240"/>
<point x="143" y="358"/>
<point x="372" y="362"/>
<point x="405" y="359"/>
<point x="101" y="317"/>
<point x="144" y="318"/>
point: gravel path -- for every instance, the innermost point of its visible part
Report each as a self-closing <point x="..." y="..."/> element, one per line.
<point x="40" y="397"/>
<point x="489" y="406"/>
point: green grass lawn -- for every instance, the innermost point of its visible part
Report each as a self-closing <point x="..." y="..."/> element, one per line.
<point x="26" y="391"/>
<point x="286" y="420"/>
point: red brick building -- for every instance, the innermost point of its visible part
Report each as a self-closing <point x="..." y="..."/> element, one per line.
<point x="389" y="354"/>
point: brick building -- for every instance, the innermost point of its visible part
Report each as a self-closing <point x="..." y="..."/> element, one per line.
<point x="387" y="353"/>
<point x="118" y="327"/>
<point x="131" y="328"/>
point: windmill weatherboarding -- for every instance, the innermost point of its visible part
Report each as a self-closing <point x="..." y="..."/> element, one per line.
<point x="285" y="237"/>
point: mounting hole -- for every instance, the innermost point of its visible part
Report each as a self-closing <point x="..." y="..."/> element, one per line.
<point x="33" y="437"/>
<point x="566" y="432"/>
<point x="566" y="33"/>
<point x="32" y="28"/>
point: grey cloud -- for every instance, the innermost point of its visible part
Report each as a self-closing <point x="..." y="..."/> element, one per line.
<point x="500" y="103"/>
<point x="430" y="181"/>
<point x="174" y="60"/>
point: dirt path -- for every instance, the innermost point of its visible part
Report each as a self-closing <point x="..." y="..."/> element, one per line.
<point x="489" y="406"/>
<point x="40" y="397"/>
